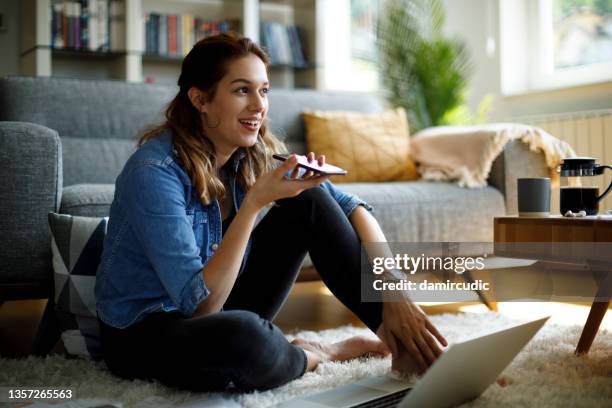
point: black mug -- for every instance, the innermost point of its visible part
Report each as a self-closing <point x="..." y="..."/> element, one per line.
<point x="533" y="197"/>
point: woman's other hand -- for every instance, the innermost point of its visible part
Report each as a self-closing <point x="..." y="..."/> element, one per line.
<point x="410" y="336"/>
<point x="274" y="185"/>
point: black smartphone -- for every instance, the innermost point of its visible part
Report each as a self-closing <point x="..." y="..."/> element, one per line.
<point x="326" y="169"/>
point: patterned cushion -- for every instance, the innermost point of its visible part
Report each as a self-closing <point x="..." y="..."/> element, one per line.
<point x="370" y="146"/>
<point x="77" y="247"/>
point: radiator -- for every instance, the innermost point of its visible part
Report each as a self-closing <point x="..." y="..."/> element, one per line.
<point x="589" y="133"/>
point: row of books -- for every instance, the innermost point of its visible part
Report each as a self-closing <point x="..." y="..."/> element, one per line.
<point x="284" y="44"/>
<point x="174" y="35"/>
<point x="94" y="25"/>
<point x="99" y="25"/>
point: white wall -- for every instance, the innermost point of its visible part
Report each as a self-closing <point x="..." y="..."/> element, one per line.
<point x="467" y="19"/>
<point x="9" y="38"/>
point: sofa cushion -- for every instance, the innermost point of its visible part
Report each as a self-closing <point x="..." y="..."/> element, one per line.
<point x="94" y="160"/>
<point x="84" y="108"/>
<point x="422" y="211"/>
<point x="427" y="211"/>
<point x="76" y="245"/>
<point x="88" y="200"/>
<point x="413" y="211"/>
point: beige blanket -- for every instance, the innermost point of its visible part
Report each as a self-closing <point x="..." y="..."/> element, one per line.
<point x="465" y="154"/>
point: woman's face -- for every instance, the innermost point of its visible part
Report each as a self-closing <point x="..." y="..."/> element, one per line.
<point x="234" y="115"/>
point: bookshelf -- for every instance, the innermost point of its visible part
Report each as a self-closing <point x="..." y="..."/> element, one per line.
<point x="126" y="57"/>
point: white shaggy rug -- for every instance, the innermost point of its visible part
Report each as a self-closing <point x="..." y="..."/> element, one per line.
<point x="545" y="374"/>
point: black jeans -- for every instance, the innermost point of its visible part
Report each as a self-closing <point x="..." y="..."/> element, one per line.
<point x="240" y="344"/>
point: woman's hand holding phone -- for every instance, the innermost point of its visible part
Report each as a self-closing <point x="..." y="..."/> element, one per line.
<point x="309" y="173"/>
<point x="313" y="165"/>
<point x="273" y="185"/>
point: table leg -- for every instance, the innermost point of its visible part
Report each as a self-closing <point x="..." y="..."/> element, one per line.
<point x="596" y="315"/>
<point x="490" y="304"/>
<point x="598" y="309"/>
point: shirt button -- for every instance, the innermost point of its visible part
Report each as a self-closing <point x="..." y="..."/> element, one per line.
<point x="214" y="247"/>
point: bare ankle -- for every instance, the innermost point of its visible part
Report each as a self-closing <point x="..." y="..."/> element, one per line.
<point x="312" y="360"/>
<point x="316" y="353"/>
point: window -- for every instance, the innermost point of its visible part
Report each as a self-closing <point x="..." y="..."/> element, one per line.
<point x="582" y="32"/>
<point x="549" y="44"/>
<point x="363" y="43"/>
<point x="349" y="46"/>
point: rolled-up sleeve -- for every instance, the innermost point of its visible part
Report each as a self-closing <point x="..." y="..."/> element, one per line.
<point x="155" y="202"/>
<point x="348" y="202"/>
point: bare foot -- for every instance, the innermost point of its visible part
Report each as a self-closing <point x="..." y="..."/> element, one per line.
<point x="350" y="348"/>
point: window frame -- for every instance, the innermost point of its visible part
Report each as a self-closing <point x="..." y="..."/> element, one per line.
<point x="526" y="34"/>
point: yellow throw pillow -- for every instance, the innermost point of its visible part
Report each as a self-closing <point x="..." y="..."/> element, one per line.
<point x="370" y="146"/>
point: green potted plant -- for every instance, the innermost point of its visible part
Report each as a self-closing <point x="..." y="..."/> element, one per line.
<point x="422" y="70"/>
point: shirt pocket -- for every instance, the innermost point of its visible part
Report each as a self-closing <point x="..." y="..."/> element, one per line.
<point x="200" y="229"/>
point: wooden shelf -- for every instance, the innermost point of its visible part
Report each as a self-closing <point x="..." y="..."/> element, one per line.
<point x="74" y="53"/>
<point x="133" y="64"/>
<point x="154" y="58"/>
<point x="162" y="58"/>
<point x="285" y="66"/>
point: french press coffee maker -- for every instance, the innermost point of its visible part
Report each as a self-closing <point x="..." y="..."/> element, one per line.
<point x="579" y="186"/>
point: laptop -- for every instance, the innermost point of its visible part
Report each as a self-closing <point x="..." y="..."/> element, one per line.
<point x="460" y="374"/>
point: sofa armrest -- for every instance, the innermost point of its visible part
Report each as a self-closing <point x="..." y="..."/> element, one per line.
<point x="31" y="175"/>
<point x="515" y="161"/>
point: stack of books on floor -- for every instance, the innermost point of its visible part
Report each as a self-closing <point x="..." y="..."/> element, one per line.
<point x="173" y="35"/>
<point x="284" y="44"/>
<point x="88" y="25"/>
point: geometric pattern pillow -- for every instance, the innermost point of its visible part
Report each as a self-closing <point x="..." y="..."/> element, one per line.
<point x="77" y="247"/>
<point x="369" y="146"/>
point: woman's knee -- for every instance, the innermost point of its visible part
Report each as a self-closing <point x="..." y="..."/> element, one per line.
<point x="317" y="195"/>
<point x="245" y="322"/>
<point x="242" y="331"/>
<point x="310" y="200"/>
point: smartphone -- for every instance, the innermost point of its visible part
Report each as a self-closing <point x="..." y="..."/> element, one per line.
<point x="326" y="169"/>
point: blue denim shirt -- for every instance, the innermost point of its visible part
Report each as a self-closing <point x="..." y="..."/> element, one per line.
<point x="160" y="236"/>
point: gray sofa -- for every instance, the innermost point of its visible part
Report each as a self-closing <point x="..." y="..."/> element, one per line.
<point x="64" y="141"/>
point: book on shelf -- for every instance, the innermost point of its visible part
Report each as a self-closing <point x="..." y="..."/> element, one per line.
<point x="117" y="26"/>
<point x="173" y="35"/>
<point x="163" y="34"/>
<point x="187" y="39"/>
<point x="88" y="25"/>
<point x="296" y="35"/>
<point x="284" y="44"/>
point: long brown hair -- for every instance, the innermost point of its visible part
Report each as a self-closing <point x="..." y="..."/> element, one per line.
<point x="205" y="65"/>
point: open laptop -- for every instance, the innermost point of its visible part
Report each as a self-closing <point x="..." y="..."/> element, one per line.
<point x="460" y="374"/>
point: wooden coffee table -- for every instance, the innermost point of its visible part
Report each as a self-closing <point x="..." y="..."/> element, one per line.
<point x="558" y="229"/>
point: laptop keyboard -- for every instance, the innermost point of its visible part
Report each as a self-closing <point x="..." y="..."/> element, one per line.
<point x="390" y="400"/>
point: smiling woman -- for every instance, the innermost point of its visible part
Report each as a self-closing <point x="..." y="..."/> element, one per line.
<point x="238" y="108"/>
<point x="224" y="96"/>
<point x="188" y="286"/>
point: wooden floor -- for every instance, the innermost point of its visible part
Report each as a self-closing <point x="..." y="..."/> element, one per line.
<point x="310" y="307"/>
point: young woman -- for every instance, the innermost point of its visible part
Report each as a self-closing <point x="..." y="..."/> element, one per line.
<point x="188" y="286"/>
